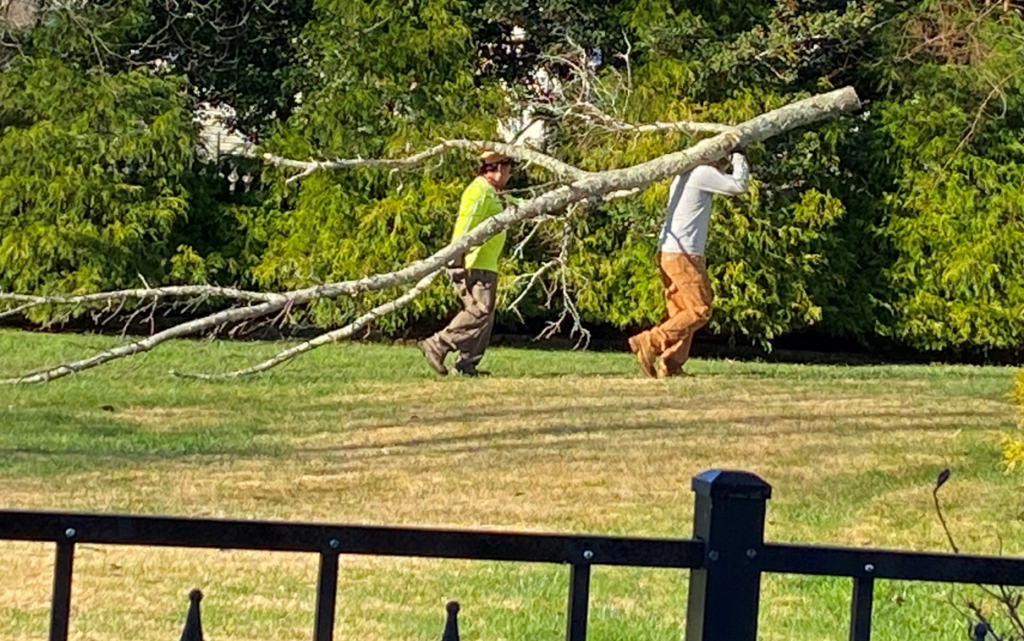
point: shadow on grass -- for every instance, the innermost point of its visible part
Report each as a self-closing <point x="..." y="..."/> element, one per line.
<point x="522" y="439"/>
<point x="54" y="442"/>
<point x="470" y="413"/>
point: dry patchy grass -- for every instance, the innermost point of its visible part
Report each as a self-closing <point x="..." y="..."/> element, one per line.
<point x="851" y="453"/>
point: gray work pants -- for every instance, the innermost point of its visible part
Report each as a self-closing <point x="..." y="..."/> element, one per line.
<point x="469" y="332"/>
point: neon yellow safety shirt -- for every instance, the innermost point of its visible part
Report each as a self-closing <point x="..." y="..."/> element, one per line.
<point x="479" y="202"/>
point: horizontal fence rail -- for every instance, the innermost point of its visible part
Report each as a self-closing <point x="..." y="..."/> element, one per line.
<point x="726" y="557"/>
<point x="63" y="527"/>
<point x="892" y="564"/>
<point x="580" y="552"/>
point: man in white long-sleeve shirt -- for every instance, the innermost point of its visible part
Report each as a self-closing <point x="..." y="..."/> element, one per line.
<point x="683" y="270"/>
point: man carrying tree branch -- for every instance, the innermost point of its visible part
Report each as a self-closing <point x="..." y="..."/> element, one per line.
<point x="474" y="275"/>
<point x="683" y="270"/>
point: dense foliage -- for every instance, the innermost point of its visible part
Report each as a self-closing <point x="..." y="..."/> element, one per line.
<point x="903" y="221"/>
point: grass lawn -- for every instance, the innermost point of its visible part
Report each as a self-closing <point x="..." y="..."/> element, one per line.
<point x="555" y="441"/>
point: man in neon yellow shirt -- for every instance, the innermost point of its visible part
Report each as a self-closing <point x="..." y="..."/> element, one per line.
<point x="475" y="275"/>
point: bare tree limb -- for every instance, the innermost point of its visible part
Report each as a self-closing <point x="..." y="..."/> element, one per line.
<point x="587" y="186"/>
<point x="534" y="278"/>
<point x="323" y="339"/>
<point x="179" y="331"/>
<point x="184" y="291"/>
<point x="517" y="251"/>
<point x="15" y="311"/>
<point x="798" y="114"/>
<point x="591" y="113"/>
<point x="518" y="152"/>
<point x="562" y="285"/>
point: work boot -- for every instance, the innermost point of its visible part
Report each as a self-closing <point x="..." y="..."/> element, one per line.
<point x="665" y="372"/>
<point x="471" y="371"/>
<point x="641" y="346"/>
<point x="434" y="356"/>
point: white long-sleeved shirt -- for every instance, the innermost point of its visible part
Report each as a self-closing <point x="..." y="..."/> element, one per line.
<point x="689" y="204"/>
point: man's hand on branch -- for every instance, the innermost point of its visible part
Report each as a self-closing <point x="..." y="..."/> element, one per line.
<point x="457" y="262"/>
<point x="733" y="138"/>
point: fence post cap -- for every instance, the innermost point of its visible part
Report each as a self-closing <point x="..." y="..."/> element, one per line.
<point x="732" y="484"/>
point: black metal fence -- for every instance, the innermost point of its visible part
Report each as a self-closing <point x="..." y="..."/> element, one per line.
<point x="726" y="557"/>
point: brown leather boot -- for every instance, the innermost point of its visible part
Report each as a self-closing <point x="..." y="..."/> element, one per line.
<point x="641" y="346"/>
<point x="664" y="372"/>
<point x="435" y="357"/>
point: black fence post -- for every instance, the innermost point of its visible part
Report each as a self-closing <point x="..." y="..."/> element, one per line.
<point x="729" y="518"/>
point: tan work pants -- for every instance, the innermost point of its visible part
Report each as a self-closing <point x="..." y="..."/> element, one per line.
<point x="688" y="298"/>
<point x="469" y="332"/>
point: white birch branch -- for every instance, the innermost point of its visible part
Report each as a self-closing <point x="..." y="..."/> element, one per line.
<point x="186" y="291"/>
<point x="323" y="339"/>
<point x="178" y="331"/>
<point x="534" y="277"/>
<point x="590" y="185"/>
<point x="801" y="113"/>
<point x="518" y="152"/>
<point x="593" y="114"/>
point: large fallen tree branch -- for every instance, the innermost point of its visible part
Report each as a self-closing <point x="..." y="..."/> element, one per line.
<point x="587" y="186"/>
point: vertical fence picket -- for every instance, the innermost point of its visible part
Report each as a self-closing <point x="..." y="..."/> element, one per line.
<point x="579" y="602"/>
<point x="860" y="608"/>
<point x="60" y="608"/>
<point x="326" y="597"/>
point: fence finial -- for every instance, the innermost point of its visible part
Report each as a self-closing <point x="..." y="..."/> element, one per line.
<point x="193" y="626"/>
<point x="451" y="626"/>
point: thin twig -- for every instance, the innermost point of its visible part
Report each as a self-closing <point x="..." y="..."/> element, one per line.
<point x="323" y="339"/>
<point x="534" y="277"/>
<point x="516" y="151"/>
